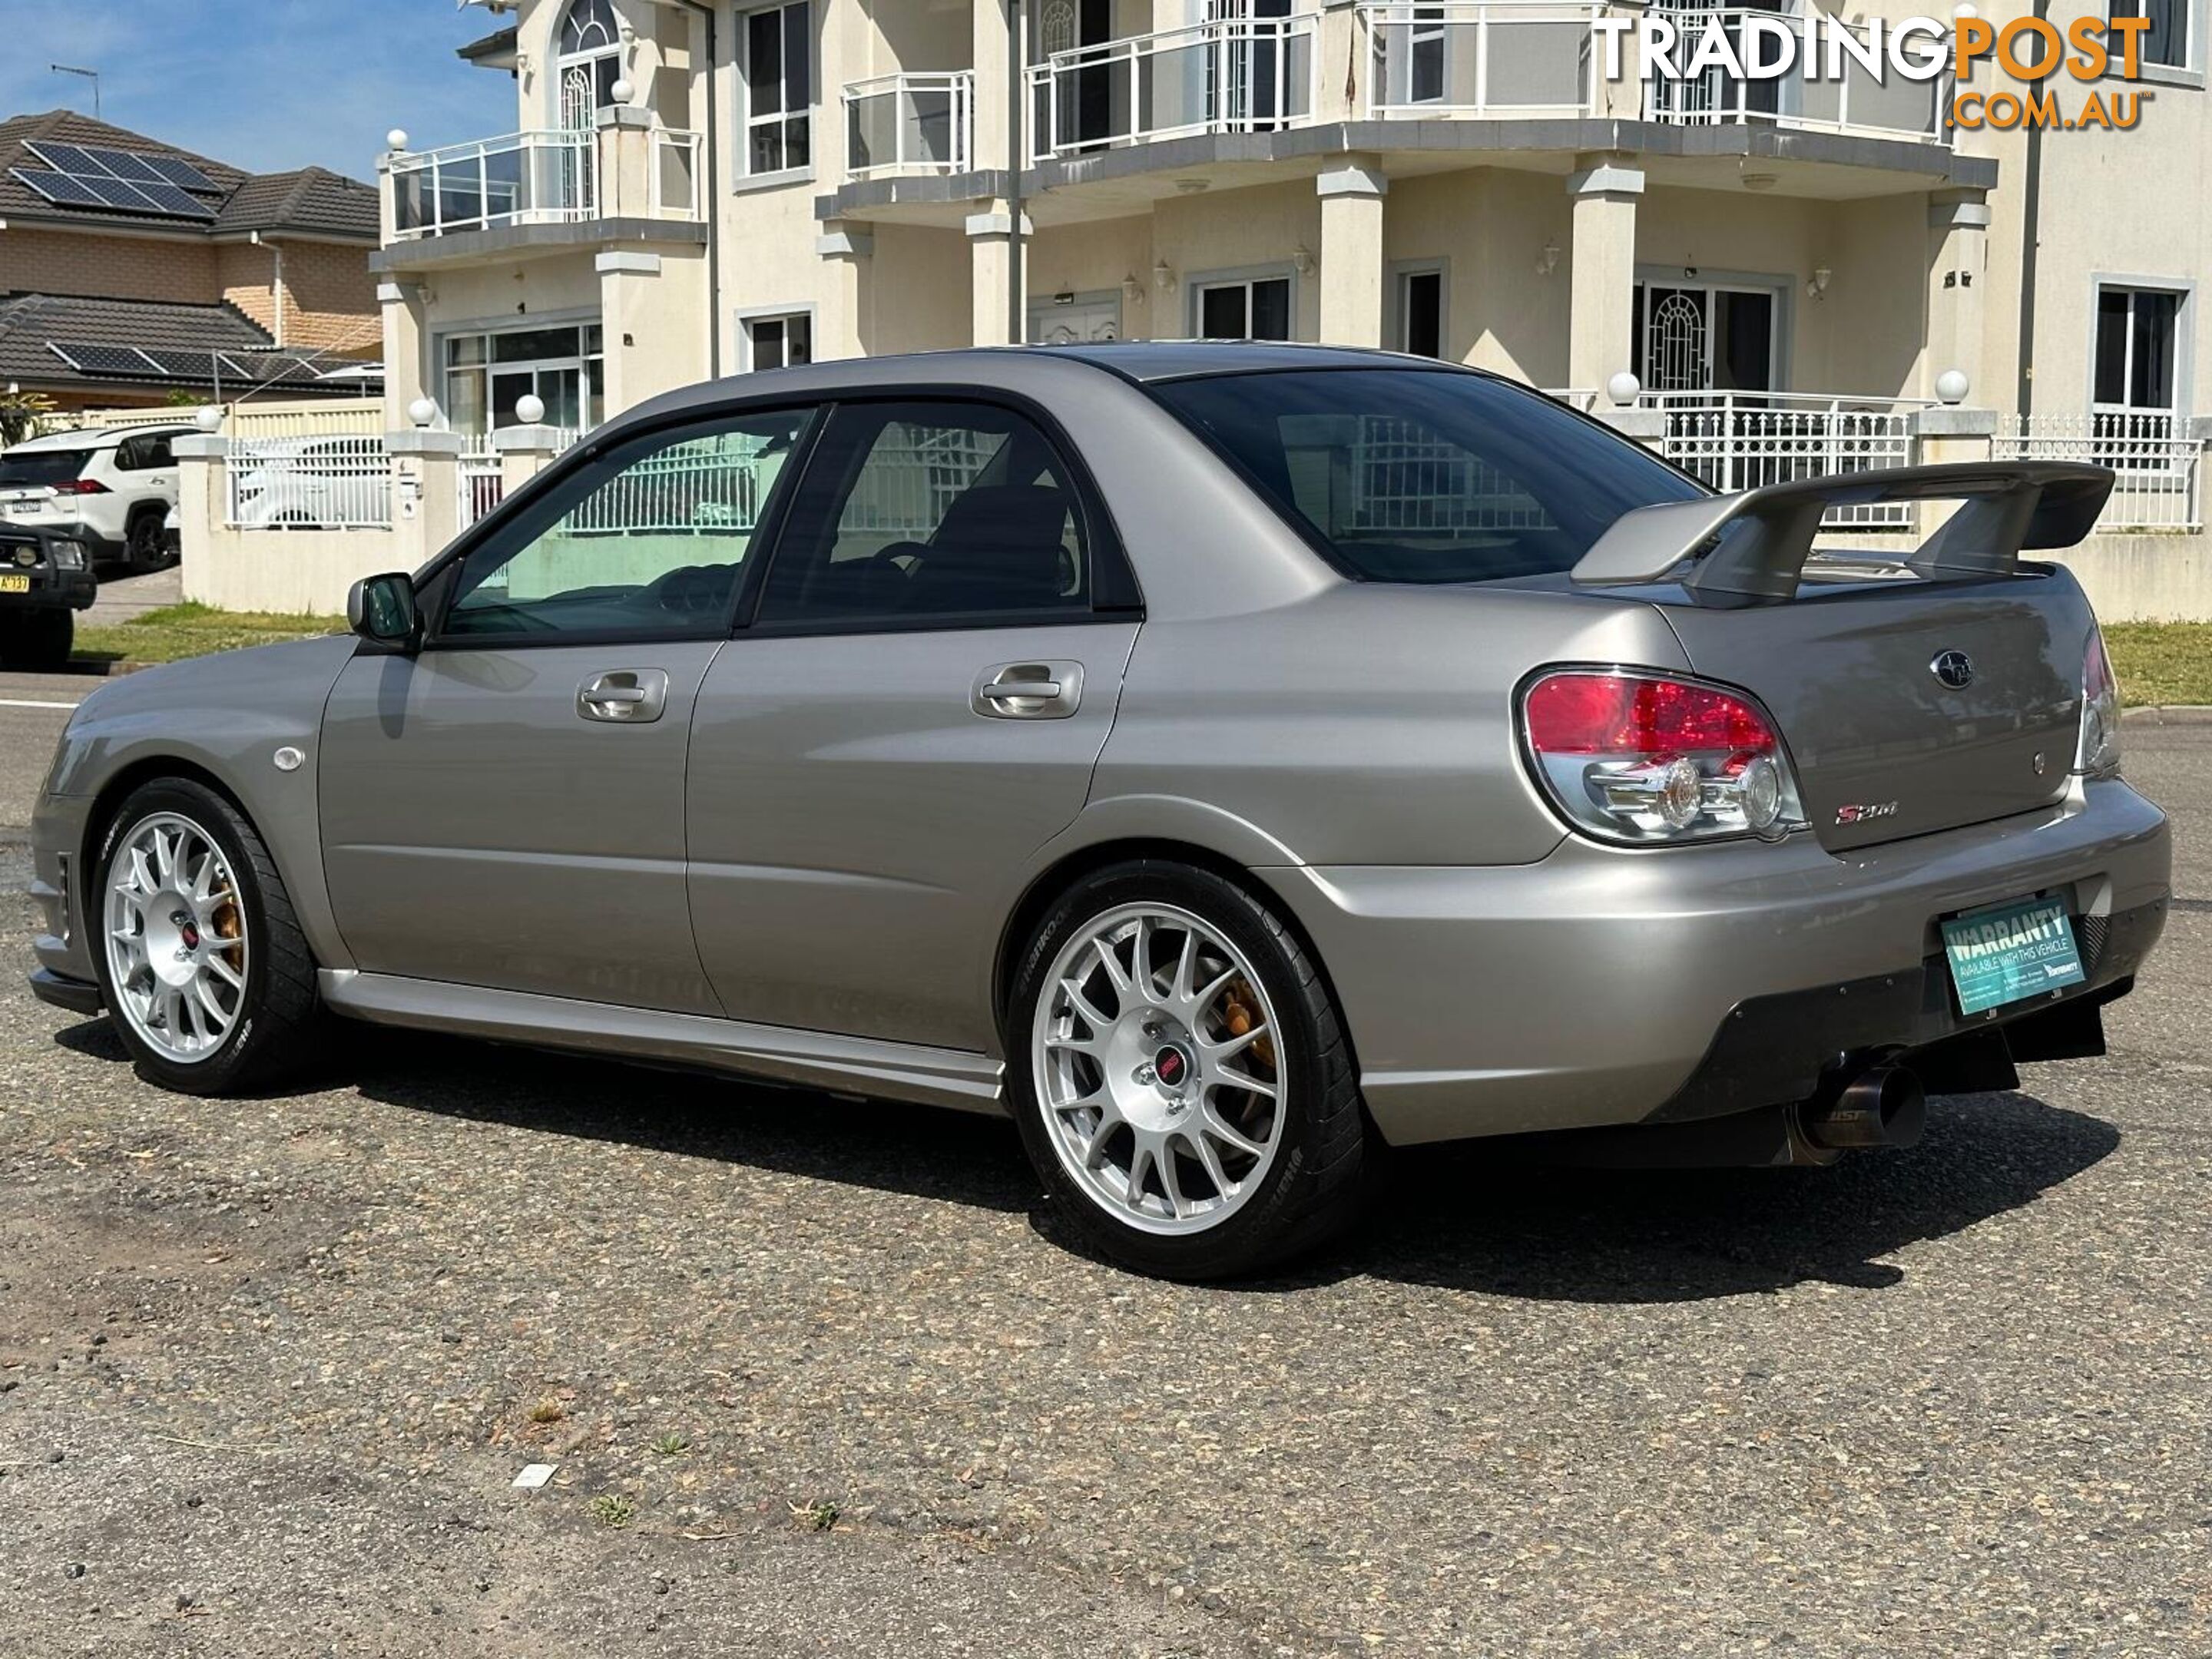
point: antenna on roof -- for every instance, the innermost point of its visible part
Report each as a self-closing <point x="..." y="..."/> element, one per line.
<point x="92" y="75"/>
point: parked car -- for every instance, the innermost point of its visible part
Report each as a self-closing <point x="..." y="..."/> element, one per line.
<point x="45" y="579"/>
<point x="1232" y="761"/>
<point x="322" y="482"/>
<point x="112" y="490"/>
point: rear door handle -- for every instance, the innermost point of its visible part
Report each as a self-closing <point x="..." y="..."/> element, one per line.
<point x="624" y="696"/>
<point x="1028" y="690"/>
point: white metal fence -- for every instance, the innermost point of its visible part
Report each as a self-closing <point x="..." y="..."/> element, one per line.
<point x="1239" y="74"/>
<point x="902" y="124"/>
<point x="1482" y="58"/>
<point x="2157" y="460"/>
<point x="544" y="177"/>
<point x="338" y="481"/>
<point x="1742" y="440"/>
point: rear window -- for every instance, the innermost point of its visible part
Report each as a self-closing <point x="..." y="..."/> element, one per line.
<point x="41" y="466"/>
<point x="1408" y="475"/>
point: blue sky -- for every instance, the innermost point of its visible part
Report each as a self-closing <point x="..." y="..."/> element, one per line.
<point x="262" y="84"/>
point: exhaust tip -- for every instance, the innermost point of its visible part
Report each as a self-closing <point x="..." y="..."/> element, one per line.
<point x="1882" y="1106"/>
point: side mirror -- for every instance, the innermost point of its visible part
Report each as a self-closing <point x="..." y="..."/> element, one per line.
<point x="381" y="609"/>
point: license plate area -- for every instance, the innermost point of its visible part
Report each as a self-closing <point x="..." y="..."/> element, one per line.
<point x="2011" y="952"/>
<point x="14" y="583"/>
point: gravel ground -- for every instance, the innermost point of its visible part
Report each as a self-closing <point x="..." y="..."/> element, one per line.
<point x="269" y="1368"/>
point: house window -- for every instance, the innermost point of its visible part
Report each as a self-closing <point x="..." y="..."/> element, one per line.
<point x="1253" y="308"/>
<point x="2138" y="348"/>
<point x="487" y="374"/>
<point x="779" y="88"/>
<point x="1421" y="312"/>
<point x="587" y="63"/>
<point x="779" y="342"/>
<point x="2167" y="40"/>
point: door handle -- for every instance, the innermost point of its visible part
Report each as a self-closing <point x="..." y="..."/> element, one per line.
<point x="624" y="696"/>
<point x="1028" y="690"/>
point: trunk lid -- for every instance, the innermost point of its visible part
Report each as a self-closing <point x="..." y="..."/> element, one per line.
<point x="1884" y="748"/>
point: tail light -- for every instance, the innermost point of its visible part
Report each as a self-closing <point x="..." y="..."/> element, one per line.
<point x="1648" y="759"/>
<point x="2098" y="754"/>
<point x="81" y="486"/>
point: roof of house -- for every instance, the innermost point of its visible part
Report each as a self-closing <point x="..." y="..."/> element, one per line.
<point x="311" y="201"/>
<point x="495" y="50"/>
<point x="185" y="338"/>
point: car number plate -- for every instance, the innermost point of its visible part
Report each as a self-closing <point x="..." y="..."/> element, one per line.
<point x="15" y="584"/>
<point x="2009" y="953"/>
<point x="25" y="509"/>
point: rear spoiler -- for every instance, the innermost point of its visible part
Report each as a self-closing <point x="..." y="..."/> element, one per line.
<point x="1752" y="545"/>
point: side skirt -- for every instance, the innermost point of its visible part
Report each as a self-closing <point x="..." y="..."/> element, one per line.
<point x="815" y="1060"/>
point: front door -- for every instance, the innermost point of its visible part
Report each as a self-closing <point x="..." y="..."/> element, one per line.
<point x="913" y="713"/>
<point x="506" y="808"/>
<point x="1695" y="336"/>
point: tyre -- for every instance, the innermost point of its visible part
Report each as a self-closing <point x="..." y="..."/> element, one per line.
<point x="145" y="546"/>
<point x="37" y="642"/>
<point x="1182" y="1076"/>
<point x="206" y="975"/>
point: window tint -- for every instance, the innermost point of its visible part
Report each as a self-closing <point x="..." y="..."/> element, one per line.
<point x="41" y="466"/>
<point x="1407" y="475"/>
<point x="929" y="510"/>
<point x="647" y="540"/>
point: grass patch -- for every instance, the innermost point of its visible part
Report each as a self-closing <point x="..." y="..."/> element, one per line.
<point x="2162" y="662"/>
<point x="815" y="1517"/>
<point x="613" y="1509"/>
<point x="671" y="1444"/>
<point x="191" y="629"/>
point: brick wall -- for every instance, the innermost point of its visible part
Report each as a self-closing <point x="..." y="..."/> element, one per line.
<point x="113" y="267"/>
<point x="330" y="298"/>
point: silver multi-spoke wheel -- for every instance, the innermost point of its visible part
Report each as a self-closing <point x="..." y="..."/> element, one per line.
<point x="176" y="937"/>
<point x="1156" y="1059"/>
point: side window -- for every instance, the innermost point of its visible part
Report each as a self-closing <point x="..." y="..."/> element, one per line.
<point x="647" y="540"/>
<point x="131" y="455"/>
<point x="930" y="510"/>
<point x="158" y="452"/>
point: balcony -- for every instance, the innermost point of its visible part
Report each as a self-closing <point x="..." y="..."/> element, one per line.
<point x="1487" y="59"/>
<point x="544" y="178"/>
<point x="1244" y="75"/>
<point x="1531" y="59"/>
<point x="917" y="125"/>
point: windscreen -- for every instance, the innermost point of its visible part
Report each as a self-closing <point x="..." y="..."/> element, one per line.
<point x="1411" y="476"/>
<point x="41" y="466"/>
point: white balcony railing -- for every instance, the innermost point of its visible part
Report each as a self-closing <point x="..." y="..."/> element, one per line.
<point x="1742" y="440"/>
<point x="899" y="125"/>
<point x="1243" y="74"/>
<point x="1856" y="102"/>
<point x="1498" y="58"/>
<point x="2159" y="463"/>
<point x="678" y="191"/>
<point x="522" y="178"/>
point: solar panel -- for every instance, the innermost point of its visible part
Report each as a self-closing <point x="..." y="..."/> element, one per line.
<point x="182" y="174"/>
<point x="105" y="360"/>
<point x="112" y="178"/>
<point x="58" y="187"/>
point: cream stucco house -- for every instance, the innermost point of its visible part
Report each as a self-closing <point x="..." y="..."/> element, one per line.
<point x="1793" y="271"/>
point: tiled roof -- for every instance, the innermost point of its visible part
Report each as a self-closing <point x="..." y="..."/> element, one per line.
<point x="312" y="200"/>
<point x="30" y="321"/>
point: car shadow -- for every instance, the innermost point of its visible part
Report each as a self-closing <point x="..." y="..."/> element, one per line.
<point x="1481" y="1216"/>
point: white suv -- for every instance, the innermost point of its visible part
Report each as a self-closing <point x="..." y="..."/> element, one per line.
<point x="114" y="490"/>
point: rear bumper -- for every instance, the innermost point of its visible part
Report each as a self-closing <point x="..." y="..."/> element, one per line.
<point x="1596" y="986"/>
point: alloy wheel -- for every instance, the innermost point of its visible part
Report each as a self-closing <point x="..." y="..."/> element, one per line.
<point x="1155" y="1054"/>
<point x="177" y="946"/>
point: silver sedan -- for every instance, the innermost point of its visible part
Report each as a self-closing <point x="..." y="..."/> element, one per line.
<point x="1233" y="762"/>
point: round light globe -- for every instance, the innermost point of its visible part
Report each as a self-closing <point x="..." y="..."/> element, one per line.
<point x="1952" y="385"/>
<point x="422" y="411"/>
<point x="529" y="409"/>
<point x="207" y="417"/>
<point x="1623" y="388"/>
<point x="395" y="139"/>
<point x="619" y="93"/>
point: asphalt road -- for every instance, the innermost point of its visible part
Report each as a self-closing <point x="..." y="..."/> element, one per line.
<point x="269" y="1368"/>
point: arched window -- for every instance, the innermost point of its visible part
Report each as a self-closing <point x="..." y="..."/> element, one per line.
<point x="587" y="61"/>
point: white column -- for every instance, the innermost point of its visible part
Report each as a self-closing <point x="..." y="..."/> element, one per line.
<point x="991" y="274"/>
<point x="426" y="494"/>
<point x="406" y="369"/>
<point x="848" y="251"/>
<point x="1602" y="297"/>
<point x="1957" y="271"/>
<point x="1351" y="194"/>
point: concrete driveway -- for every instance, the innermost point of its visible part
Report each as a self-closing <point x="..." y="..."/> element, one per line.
<point x="819" y="1377"/>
